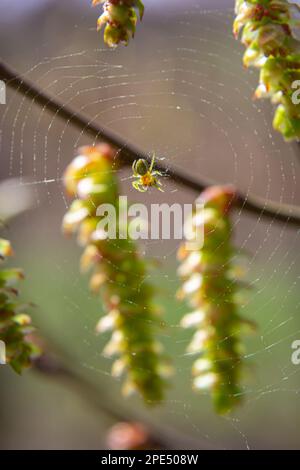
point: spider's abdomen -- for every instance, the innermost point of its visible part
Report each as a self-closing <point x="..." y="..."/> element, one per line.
<point x="141" y="167"/>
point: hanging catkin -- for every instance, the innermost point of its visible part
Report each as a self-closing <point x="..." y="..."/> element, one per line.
<point x="119" y="272"/>
<point x="119" y="19"/>
<point x="268" y="33"/>
<point x="209" y="287"/>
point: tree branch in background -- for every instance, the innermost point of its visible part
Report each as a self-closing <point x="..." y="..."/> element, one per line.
<point x="128" y="153"/>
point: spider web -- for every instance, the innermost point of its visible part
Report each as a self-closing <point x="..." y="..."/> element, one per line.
<point x="178" y="90"/>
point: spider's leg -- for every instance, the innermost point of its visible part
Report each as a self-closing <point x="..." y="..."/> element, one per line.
<point x="152" y="163"/>
<point x="157" y="186"/>
<point x="157" y="173"/>
<point x="137" y="185"/>
<point x="133" y="168"/>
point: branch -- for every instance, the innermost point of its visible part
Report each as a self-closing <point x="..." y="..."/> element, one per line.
<point x="288" y="214"/>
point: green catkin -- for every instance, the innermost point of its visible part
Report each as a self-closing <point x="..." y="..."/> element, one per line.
<point x="268" y="33"/>
<point x="119" y="18"/>
<point x="15" y="325"/>
<point x="209" y="287"/>
<point x="119" y="272"/>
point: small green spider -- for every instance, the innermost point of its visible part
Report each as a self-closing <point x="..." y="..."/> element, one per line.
<point x="146" y="176"/>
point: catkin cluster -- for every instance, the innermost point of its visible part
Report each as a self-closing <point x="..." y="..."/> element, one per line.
<point x="15" y="324"/>
<point x="119" y="272"/>
<point x="210" y="287"/>
<point x="119" y="18"/>
<point x="268" y="28"/>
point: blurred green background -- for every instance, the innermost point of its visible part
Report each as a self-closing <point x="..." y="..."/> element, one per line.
<point x="178" y="89"/>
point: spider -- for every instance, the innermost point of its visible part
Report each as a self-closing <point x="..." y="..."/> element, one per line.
<point x="145" y="175"/>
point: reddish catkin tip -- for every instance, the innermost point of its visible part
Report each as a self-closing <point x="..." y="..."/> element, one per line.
<point x="127" y="436"/>
<point x="103" y="149"/>
<point x="222" y="197"/>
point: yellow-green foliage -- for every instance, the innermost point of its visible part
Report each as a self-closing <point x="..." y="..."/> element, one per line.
<point x="15" y="324"/>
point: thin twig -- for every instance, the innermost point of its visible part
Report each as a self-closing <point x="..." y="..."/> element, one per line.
<point x="128" y="153"/>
